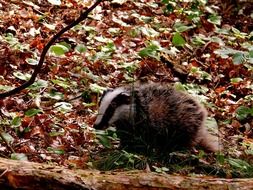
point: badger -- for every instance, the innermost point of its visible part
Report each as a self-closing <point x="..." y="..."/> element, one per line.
<point x="154" y="117"/>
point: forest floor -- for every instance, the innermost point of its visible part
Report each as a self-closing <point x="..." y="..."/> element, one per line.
<point x="203" y="48"/>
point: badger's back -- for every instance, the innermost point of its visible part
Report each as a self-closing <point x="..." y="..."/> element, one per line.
<point x="174" y="118"/>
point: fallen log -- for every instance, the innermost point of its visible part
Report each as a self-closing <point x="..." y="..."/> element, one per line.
<point x="30" y="176"/>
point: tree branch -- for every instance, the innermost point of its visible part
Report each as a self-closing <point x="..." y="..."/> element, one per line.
<point x="37" y="69"/>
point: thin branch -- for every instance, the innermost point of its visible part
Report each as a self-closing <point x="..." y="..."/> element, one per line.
<point x="44" y="52"/>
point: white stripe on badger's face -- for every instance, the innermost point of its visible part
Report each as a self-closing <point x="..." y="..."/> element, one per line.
<point x="122" y="112"/>
<point x="106" y="101"/>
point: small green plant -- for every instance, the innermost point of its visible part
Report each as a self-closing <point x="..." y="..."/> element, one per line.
<point x="150" y="51"/>
<point x="120" y="159"/>
<point x="105" y="137"/>
<point x="243" y="112"/>
<point x="240" y="168"/>
<point x="160" y="169"/>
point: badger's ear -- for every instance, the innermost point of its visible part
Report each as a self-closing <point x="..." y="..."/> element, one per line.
<point x="125" y="94"/>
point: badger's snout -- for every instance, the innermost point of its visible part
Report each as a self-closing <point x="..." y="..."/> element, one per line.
<point x="98" y="126"/>
<point x="99" y="123"/>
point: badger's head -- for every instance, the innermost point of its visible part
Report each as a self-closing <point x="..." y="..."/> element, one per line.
<point x="114" y="105"/>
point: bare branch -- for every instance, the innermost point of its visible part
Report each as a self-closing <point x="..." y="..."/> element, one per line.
<point x="37" y="69"/>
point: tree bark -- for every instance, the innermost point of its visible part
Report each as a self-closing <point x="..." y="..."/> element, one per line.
<point x="30" y="176"/>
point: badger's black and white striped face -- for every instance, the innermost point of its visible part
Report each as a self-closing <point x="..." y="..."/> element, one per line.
<point x="114" y="105"/>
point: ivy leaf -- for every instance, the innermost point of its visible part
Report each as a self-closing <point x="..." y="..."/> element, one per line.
<point x="58" y="49"/>
<point x="33" y="112"/>
<point x="104" y="140"/>
<point x="169" y="8"/>
<point x="56" y="151"/>
<point x="38" y="85"/>
<point x="178" y="40"/>
<point x="110" y="47"/>
<point x="16" y="122"/>
<point x="242" y="112"/>
<point x="22" y="76"/>
<point x="96" y="88"/>
<point x="55" y="95"/>
<point x="181" y="27"/>
<point x="5" y="88"/>
<point x="19" y="156"/>
<point x="238" y="58"/>
<point x="31" y="61"/>
<point x="7" y="137"/>
<point x="214" y="19"/>
<point x="150" y="51"/>
<point x="61" y="82"/>
<point x="236" y="80"/>
<point x="251" y="54"/>
<point x="80" y="48"/>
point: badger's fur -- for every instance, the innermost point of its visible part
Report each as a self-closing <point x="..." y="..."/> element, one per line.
<point x="154" y="117"/>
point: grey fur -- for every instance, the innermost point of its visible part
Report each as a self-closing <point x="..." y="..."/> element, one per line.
<point x="157" y="117"/>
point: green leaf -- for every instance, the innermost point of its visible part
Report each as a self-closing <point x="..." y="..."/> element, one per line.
<point x="239" y="164"/>
<point x="169" y="8"/>
<point x="7" y="137"/>
<point x="160" y="170"/>
<point x="80" y="48"/>
<point x="55" y="150"/>
<point x="109" y="48"/>
<point x="96" y="88"/>
<point x="38" y="85"/>
<point x="5" y="88"/>
<point x="55" y="133"/>
<point x="224" y="53"/>
<point x="19" y="156"/>
<point x="149" y="32"/>
<point x="178" y="40"/>
<point x="33" y="112"/>
<point x="251" y="53"/>
<point x="31" y="61"/>
<point x="181" y="27"/>
<point x="242" y="112"/>
<point x="179" y="86"/>
<point x="195" y="71"/>
<point x="55" y="95"/>
<point x="150" y="51"/>
<point x="238" y="58"/>
<point x="63" y="107"/>
<point x="206" y="75"/>
<point x="104" y="140"/>
<point x="61" y="82"/>
<point x="16" y="122"/>
<point x="236" y="80"/>
<point x="220" y="158"/>
<point x="214" y="19"/>
<point x="198" y="40"/>
<point x="58" y="49"/>
<point x="22" y="76"/>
